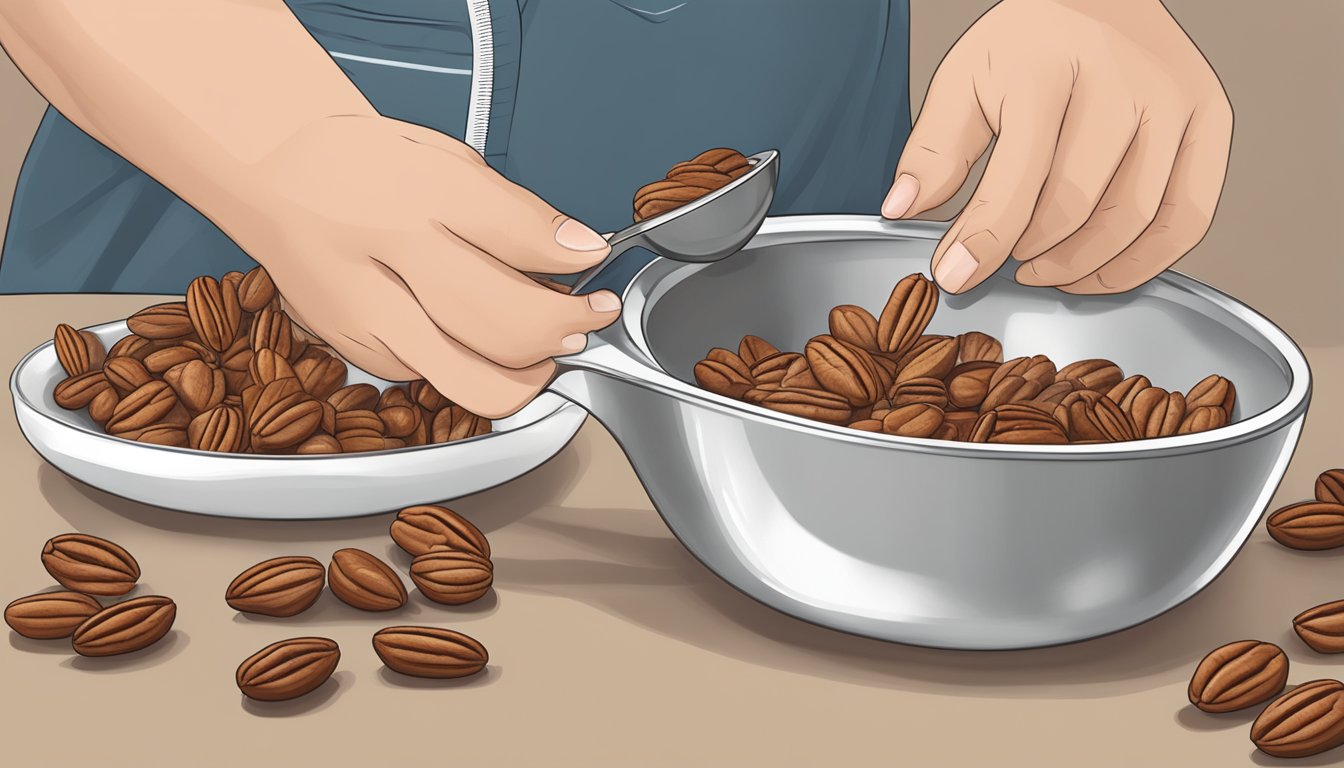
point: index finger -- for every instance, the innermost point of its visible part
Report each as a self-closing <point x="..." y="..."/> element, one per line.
<point x="985" y="232"/>
<point x="496" y="310"/>
<point x="462" y="375"/>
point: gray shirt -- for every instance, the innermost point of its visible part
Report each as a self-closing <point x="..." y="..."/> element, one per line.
<point x="581" y="101"/>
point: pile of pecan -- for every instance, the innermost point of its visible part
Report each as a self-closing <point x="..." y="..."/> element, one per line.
<point x="691" y="180"/>
<point x="885" y="374"/>
<point x="227" y="371"/>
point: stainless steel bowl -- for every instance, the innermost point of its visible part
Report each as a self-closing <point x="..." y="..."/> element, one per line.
<point x="927" y="542"/>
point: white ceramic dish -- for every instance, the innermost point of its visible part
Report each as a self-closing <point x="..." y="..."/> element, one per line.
<point x="279" y="487"/>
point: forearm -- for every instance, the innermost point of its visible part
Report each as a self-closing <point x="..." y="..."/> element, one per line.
<point x="193" y="93"/>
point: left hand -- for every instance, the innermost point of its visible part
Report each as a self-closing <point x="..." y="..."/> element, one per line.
<point x="1113" y="139"/>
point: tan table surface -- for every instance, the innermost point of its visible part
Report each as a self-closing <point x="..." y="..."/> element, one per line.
<point x="610" y="644"/>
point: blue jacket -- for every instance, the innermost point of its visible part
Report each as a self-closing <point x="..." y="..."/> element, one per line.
<point x="582" y="101"/>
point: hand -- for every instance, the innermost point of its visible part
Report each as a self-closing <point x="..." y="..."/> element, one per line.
<point x="405" y="251"/>
<point x="1113" y="136"/>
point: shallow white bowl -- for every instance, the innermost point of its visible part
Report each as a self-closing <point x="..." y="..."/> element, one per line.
<point x="279" y="487"/>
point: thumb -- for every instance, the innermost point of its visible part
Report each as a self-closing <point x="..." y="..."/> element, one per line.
<point x="949" y="136"/>
<point x="517" y="227"/>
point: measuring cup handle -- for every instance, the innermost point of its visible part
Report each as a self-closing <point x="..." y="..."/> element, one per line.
<point x="620" y="242"/>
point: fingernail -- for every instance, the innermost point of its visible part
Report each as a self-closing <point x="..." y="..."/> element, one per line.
<point x="574" y="342"/>
<point x="956" y="268"/>
<point x="901" y="196"/>
<point x="576" y="237"/>
<point x="603" y="301"/>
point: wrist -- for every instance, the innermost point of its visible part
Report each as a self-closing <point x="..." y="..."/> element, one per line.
<point x="251" y="198"/>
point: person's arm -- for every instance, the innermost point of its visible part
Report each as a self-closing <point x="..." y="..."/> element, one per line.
<point x="395" y="243"/>
<point x="192" y="93"/>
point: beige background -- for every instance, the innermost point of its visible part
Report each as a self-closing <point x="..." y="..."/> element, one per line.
<point x="611" y="645"/>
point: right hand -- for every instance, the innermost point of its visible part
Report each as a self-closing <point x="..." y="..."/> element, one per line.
<point x="1113" y="135"/>
<point x="402" y="249"/>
